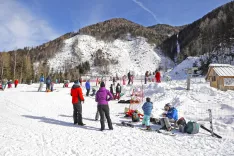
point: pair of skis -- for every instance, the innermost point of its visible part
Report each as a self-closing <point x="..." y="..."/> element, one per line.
<point x="128" y="124"/>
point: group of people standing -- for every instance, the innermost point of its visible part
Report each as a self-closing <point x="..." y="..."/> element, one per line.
<point x="49" y="84"/>
<point x="103" y="96"/>
<point x="151" y="77"/>
<point x="5" y="83"/>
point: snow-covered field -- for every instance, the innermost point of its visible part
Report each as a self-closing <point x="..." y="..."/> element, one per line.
<point x="35" y="123"/>
<point x="135" y="55"/>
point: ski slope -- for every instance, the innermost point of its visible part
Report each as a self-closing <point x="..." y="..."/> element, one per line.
<point x="41" y="124"/>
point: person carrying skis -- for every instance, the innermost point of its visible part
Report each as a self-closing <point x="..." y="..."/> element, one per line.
<point x="16" y="83"/>
<point x="129" y="78"/>
<point x="118" y="91"/>
<point x="147" y="108"/>
<point x="158" y="76"/>
<point x="171" y="116"/>
<point x="103" y="96"/>
<point x="48" y="83"/>
<point x="87" y="86"/>
<point x="77" y="98"/>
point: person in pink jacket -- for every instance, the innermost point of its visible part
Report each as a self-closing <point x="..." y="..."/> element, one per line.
<point x="103" y="96"/>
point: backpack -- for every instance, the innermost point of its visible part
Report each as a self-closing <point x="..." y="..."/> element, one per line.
<point x="192" y="127"/>
<point x="135" y="117"/>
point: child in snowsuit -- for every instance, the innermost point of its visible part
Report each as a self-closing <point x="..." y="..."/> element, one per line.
<point x="147" y="108"/>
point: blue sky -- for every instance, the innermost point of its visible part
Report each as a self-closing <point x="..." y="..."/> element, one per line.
<point x="36" y="21"/>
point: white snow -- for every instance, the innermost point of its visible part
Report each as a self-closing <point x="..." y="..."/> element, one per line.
<point x="136" y="54"/>
<point x="35" y="123"/>
<point x="179" y="72"/>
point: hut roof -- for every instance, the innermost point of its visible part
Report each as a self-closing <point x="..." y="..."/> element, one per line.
<point x="224" y="70"/>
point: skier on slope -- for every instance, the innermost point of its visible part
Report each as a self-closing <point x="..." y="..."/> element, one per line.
<point x="147" y="108"/>
<point x="171" y="116"/>
<point x="103" y="96"/>
<point x="77" y="98"/>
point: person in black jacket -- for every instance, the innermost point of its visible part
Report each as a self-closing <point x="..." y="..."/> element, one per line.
<point x="129" y="78"/>
<point x="111" y="90"/>
<point x="118" y="91"/>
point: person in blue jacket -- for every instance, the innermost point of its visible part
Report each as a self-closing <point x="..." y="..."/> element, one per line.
<point x="87" y="86"/>
<point x="147" y="108"/>
<point x="42" y="79"/>
<point x="171" y="116"/>
<point x="172" y="112"/>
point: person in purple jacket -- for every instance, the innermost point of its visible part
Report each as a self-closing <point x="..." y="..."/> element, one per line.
<point x="103" y="96"/>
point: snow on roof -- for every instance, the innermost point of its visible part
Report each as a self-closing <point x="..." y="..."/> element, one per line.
<point x="224" y="71"/>
<point x="220" y="65"/>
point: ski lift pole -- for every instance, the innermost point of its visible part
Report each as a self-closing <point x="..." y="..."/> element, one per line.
<point x="211" y="122"/>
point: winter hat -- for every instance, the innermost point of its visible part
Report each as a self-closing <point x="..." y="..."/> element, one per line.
<point x="148" y="99"/>
<point x="77" y="82"/>
<point x="102" y="84"/>
<point x="168" y="105"/>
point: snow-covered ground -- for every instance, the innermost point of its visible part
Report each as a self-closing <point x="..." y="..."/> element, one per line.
<point x="135" y="55"/>
<point x="35" y="123"/>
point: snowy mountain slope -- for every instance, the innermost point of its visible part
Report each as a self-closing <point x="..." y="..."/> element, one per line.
<point x="42" y="124"/>
<point x="136" y="55"/>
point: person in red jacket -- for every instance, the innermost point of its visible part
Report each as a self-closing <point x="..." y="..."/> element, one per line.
<point x="16" y="83"/>
<point x="158" y="76"/>
<point x="77" y="97"/>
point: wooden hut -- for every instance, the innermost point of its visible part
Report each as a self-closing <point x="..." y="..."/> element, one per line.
<point x="221" y="76"/>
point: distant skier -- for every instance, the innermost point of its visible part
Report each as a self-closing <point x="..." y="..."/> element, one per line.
<point x="16" y="83"/>
<point x="146" y="76"/>
<point x="4" y="84"/>
<point x="48" y="83"/>
<point x="87" y="86"/>
<point x="9" y="83"/>
<point x="124" y="80"/>
<point x="77" y="98"/>
<point x="132" y="77"/>
<point x="114" y="81"/>
<point x="42" y="79"/>
<point x="111" y="90"/>
<point x="80" y="80"/>
<point x="129" y="78"/>
<point x="118" y="91"/>
<point x="52" y="86"/>
<point x="147" y="108"/>
<point x="158" y="76"/>
<point x="102" y="97"/>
